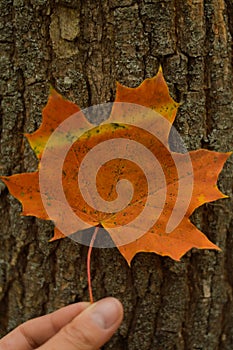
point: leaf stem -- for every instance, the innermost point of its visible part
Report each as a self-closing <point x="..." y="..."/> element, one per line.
<point x="89" y="263"/>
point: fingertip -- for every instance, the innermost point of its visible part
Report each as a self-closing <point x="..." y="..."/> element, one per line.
<point x="107" y="312"/>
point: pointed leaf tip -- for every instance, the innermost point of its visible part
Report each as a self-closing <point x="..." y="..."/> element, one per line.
<point x="160" y="70"/>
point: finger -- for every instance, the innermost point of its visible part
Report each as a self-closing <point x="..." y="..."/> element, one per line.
<point x="34" y="333"/>
<point x="91" y="329"/>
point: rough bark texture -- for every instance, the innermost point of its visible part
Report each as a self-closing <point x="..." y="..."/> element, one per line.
<point x="82" y="48"/>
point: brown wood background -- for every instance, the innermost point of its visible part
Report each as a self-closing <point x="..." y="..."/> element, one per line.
<point x="82" y="48"/>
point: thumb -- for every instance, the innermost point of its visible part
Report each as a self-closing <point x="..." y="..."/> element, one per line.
<point x="89" y="330"/>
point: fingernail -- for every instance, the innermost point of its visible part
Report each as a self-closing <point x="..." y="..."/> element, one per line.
<point x="106" y="312"/>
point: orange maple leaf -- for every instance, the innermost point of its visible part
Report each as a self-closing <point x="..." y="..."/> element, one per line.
<point x="141" y="115"/>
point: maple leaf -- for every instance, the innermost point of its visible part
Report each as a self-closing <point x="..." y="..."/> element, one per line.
<point x="141" y="115"/>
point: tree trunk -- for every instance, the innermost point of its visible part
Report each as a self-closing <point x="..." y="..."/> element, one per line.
<point x="82" y="48"/>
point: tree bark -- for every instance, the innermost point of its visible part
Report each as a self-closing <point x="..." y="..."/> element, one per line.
<point x="82" y="48"/>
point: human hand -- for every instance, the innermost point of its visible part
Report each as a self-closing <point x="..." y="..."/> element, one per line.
<point x="80" y="326"/>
